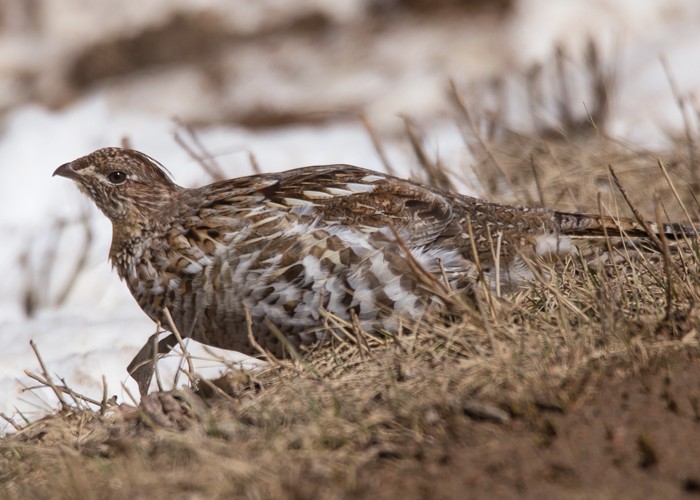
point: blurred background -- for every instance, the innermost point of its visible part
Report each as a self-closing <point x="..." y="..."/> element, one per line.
<point x="272" y="85"/>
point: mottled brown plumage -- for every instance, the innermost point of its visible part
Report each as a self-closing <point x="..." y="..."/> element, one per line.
<point x="293" y="245"/>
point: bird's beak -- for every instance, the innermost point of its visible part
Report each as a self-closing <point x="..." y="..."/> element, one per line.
<point x="66" y="170"/>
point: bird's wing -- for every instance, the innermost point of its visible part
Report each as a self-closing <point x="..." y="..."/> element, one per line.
<point x="352" y="196"/>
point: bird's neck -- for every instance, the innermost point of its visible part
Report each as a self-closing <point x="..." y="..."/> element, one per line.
<point x="128" y="244"/>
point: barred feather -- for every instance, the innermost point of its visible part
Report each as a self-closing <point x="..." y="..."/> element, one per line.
<point x="290" y="246"/>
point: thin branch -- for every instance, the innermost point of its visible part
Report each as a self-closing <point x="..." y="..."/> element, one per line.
<point x="190" y="367"/>
<point x="60" y="390"/>
<point x="637" y="215"/>
<point x="10" y="421"/>
<point x="378" y="148"/>
<point x="48" y="380"/>
<point x="80" y="263"/>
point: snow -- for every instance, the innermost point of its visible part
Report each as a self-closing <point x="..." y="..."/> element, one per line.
<point x="98" y="328"/>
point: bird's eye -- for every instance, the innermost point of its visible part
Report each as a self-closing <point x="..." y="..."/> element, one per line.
<point x="116" y="177"/>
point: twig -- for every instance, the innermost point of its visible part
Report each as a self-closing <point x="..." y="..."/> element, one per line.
<point x="294" y="353"/>
<point x="254" y="163"/>
<point x="346" y="338"/>
<point x="190" y="367"/>
<point x="602" y="82"/>
<point x="538" y="181"/>
<point x="377" y="145"/>
<point x="677" y="196"/>
<point x="359" y="332"/>
<point x="682" y="106"/>
<point x="443" y="274"/>
<point x="291" y="350"/>
<point x="80" y="263"/>
<point x="436" y="175"/>
<point x="131" y="396"/>
<point x="204" y="158"/>
<point x="154" y="359"/>
<point x="636" y="213"/>
<point x="535" y="97"/>
<point x="477" y="263"/>
<point x="49" y="261"/>
<point x="667" y="261"/>
<point x="496" y="256"/>
<point x="429" y="280"/>
<point x="564" y="104"/>
<point x="608" y="243"/>
<point x="103" y="404"/>
<point x="60" y="390"/>
<point x="462" y="106"/>
<point x="59" y="394"/>
<point x="273" y="360"/>
<point x="10" y="421"/>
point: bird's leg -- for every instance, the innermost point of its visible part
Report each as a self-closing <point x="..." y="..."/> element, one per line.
<point x="142" y="367"/>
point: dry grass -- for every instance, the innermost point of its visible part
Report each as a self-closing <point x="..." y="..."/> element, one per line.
<point x="354" y="421"/>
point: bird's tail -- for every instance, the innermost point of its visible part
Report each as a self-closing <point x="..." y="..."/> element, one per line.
<point x="581" y="225"/>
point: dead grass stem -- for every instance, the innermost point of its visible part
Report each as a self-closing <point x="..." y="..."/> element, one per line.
<point x="373" y="410"/>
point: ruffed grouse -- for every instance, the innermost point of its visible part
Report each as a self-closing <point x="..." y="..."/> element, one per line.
<point x="294" y="245"/>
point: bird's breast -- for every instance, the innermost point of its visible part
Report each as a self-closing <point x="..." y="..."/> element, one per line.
<point x="300" y="275"/>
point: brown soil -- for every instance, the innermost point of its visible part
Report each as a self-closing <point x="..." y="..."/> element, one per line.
<point x="585" y="386"/>
<point x="632" y="437"/>
<point x="627" y="434"/>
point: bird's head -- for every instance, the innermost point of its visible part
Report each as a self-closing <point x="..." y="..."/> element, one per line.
<point x="128" y="186"/>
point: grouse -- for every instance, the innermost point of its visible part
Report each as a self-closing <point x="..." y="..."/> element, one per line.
<point x="287" y="251"/>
